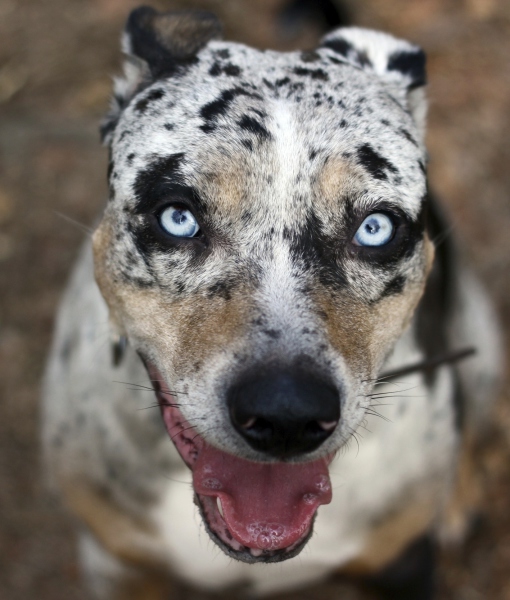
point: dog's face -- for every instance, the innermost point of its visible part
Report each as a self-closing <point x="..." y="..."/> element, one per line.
<point x="263" y="249"/>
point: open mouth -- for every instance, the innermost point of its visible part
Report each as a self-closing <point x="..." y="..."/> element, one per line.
<point x="256" y="512"/>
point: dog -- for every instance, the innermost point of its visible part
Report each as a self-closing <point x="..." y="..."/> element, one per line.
<point x="263" y="270"/>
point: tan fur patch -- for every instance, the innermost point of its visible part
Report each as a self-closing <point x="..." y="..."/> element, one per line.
<point x="337" y="178"/>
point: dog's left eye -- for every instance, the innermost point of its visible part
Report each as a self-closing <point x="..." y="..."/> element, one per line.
<point x="179" y="221"/>
<point x="376" y="230"/>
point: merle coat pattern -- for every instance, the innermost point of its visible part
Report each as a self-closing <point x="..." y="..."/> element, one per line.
<point x="279" y="157"/>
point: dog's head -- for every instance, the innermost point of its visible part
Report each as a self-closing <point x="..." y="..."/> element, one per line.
<point x="263" y="248"/>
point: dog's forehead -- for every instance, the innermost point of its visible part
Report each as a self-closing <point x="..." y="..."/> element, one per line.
<point x="243" y="119"/>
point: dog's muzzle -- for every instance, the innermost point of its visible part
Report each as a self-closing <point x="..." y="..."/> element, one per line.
<point x="260" y="511"/>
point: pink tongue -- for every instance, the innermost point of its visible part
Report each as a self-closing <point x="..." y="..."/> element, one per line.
<point x="265" y="506"/>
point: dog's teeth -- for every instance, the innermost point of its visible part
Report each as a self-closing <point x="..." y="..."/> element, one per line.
<point x="328" y="425"/>
<point x="255" y="552"/>
<point x="220" y="508"/>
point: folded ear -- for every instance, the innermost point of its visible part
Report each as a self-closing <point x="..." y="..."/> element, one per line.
<point x="158" y="45"/>
<point x="399" y="64"/>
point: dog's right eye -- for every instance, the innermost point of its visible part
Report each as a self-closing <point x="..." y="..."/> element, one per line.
<point x="178" y="221"/>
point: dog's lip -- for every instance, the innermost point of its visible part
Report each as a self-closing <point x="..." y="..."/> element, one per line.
<point x="244" y="528"/>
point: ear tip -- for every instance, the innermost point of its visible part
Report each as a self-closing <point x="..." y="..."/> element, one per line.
<point x="138" y="15"/>
<point x="381" y="52"/>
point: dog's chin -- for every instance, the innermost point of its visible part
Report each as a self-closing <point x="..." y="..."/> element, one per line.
<point x="255" y="512"/>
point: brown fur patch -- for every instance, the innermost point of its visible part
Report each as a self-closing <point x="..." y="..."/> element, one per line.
<point x="337" y="179"/>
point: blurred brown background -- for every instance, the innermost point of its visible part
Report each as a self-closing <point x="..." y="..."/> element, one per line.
<point x="56" y="60"/>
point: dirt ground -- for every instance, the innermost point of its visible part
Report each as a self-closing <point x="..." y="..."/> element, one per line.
<point x="56" y="59"/>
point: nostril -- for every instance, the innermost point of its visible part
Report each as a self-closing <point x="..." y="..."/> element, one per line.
<point x="327" y="425"/>
<point x="260" y="428"/>
<point x="317" y="429"/>
<point x="248" y="424"/>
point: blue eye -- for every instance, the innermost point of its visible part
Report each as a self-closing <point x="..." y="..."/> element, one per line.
<point x="178" y="221"/>
<point x="376" y="230"/>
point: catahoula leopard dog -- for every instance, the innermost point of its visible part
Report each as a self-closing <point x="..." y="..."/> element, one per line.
<point x="266" y="255"/>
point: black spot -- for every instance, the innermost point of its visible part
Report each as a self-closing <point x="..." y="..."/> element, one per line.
<point x="169" y="126"/>
<point x="309" y="56"/>
<point x="408" y="136"/>
<point x="152" y="96"/>
<point x="247" y="144"/>
<point x="410" y="63"/>
<point x="374" y="163"/>
<point x="211" y="111"/>
<point x="215" y="69"/>
<point x="249" y="124"/>
<point x="272" y="333"/>
<point x="319" y="74"/>
<point x="313" y="154"/>
<point x="227" y="69"/>
<point x="130" y="158"/>
<point x="223" y="53"/>
<point x="343" y="123"/>
<point x="282" y="82"/>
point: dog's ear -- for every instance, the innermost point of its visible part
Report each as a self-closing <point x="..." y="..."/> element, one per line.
<point x="399" y="64"/>
<point x="157" y="45"/>
<point x="166" y="41"/>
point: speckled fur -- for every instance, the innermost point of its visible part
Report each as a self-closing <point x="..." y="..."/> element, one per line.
<point x="280" y="156"/>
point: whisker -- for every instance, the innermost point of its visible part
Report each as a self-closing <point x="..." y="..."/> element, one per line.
<point x="83" y="228"/>
<point x="390" y="397"/>
<point x="374" y="413"/>
<point x="138" y="386"/>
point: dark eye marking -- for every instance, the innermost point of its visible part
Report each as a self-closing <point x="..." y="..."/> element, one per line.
<point x="374" y="163"/>
<point x="148" y="181"/>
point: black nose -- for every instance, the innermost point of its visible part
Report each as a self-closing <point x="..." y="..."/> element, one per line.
<point x="284" y="414"/>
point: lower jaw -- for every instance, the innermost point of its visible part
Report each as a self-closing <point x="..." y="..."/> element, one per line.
<point x="236" y="550"/>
